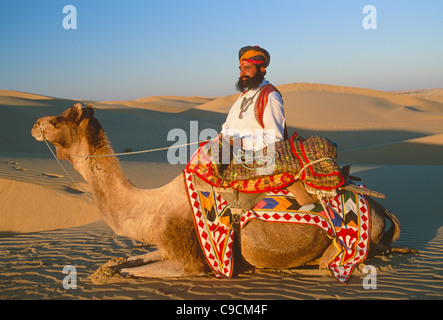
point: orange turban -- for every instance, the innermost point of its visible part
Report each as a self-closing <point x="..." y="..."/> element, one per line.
<point x="255" y="55"/>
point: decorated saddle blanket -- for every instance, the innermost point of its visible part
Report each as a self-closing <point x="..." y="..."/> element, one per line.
<point x="312" y="160"/>
<point x="345" y="220"/>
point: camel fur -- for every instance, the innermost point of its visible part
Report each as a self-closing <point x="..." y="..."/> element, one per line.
<point x="163" y="216"/>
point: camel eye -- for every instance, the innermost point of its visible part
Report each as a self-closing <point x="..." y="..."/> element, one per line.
<point x="55" y="122"/>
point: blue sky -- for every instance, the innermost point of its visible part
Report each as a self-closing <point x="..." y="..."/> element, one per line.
<point x="124" y="50"/>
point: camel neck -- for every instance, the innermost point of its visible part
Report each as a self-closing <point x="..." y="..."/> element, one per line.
<point x="111" y="189"/>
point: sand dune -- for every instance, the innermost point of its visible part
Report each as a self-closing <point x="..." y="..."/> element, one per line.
<point x="324" y="107"/>
<point x="426" y="150"/>
<point x="428" y="94"/>
<point x="171" y="104"/>
<point x="175" y="100"/>
<point x="27" y="207"/>
<point x="23" y="95"/>
<point x="393" y="140"/>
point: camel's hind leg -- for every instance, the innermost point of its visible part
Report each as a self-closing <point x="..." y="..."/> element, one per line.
<point x="158" y="269"/>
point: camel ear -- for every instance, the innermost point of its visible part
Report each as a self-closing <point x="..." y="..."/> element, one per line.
<point x="77" y="111"/>
<point x="74" y="113"/>
<point x="90" y="109"/>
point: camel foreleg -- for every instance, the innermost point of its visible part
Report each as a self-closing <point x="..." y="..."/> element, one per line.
<point x="145" y="258"/>
<point x="158" y="269"/>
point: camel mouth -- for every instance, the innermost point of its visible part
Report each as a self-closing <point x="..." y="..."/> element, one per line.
<point x="37" y="134"/>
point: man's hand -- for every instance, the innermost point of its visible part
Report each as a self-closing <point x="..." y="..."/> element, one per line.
<point x="231" y="140"/>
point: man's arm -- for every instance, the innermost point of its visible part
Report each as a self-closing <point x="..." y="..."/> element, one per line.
<point x="274" y="120"/>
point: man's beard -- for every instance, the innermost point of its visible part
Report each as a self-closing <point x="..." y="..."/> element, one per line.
<point x="250" y="83"/>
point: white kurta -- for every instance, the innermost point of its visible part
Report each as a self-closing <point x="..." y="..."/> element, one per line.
<point x="242" y="123"/>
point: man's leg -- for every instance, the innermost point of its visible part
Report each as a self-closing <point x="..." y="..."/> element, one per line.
<point x="301" y="195"/>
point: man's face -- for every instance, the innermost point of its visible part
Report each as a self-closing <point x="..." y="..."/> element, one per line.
<point x="247" y="70"/>
<point x="250" y="76"/>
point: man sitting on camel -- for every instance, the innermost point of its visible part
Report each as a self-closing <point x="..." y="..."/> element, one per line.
<point x="256" y="123"/>
<point x="257" y="118"/>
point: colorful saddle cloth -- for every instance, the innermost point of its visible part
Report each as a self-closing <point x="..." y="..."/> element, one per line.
<point x="347" y="222"/>
<point x="312" y="160"/>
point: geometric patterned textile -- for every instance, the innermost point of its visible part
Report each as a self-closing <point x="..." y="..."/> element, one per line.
<point x="346" y="221"/>
<point x="351" y="218"/>
<point x="282" y="207"/>
<point x="214" y="227"/>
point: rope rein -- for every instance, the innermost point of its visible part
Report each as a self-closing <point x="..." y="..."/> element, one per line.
<point x="139" y="152"/>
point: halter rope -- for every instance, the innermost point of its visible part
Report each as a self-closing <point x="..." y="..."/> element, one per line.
<point x="105" y="155"/>
<point x="60" y="164"/>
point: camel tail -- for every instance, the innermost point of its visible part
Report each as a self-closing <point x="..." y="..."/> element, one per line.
<point x="393" y="233"/>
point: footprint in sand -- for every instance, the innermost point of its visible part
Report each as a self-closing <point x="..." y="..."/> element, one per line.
<point x="52" y="175"/>
<point x="19" y="168"/>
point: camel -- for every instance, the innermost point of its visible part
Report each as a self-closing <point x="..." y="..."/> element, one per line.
<point x="163" y="216"/>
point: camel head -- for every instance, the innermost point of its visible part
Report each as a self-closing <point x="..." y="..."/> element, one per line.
<point x="70" y="132"/>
